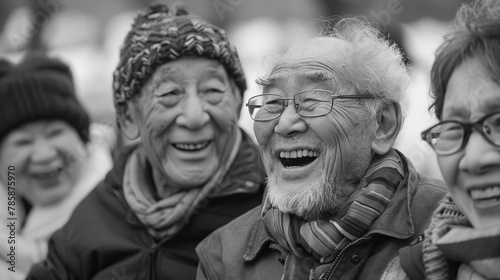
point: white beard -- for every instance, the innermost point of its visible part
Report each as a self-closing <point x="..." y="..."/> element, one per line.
<point x="323" y="198"/>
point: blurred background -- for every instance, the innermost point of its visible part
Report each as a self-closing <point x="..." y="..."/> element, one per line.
<point x="87" y="35"/>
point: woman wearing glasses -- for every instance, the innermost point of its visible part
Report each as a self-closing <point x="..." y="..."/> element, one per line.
<point x="463" y="240"/>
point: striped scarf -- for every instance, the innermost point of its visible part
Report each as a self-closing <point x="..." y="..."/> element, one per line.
<point x="316" y="243"/>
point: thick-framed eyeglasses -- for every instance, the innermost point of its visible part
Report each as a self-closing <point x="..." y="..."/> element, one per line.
<point x="310" y="103"/>
<point x="450" y="137"/>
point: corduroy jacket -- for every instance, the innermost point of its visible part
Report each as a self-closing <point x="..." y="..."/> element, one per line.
<point x="104" y="240"/>
<point x="243" y="250"/>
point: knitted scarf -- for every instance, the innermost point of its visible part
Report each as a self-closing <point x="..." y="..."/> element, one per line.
<point x="165" y="217"/>
<point x="450" y="235"/>
<point x="312" y="244"/>
<point x="447" y="213"/>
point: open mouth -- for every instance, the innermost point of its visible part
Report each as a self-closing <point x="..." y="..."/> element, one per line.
<point x="486" y="196"/>
<point x="48" y="178"/>
<point x="191" y="147"/>
<point x="297" y="158"/>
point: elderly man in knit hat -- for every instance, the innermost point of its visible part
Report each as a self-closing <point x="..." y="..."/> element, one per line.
<point x="340" y="199"/>
<point x="178" y="90"/>
<point x="51" y="157"/>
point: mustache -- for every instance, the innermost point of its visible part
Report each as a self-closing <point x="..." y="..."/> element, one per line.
<point x="291" y="142"/>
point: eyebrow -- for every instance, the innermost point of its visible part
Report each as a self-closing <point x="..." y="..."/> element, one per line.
<point x="491" y="106"/>
<point x="217" y="71"/>
<point x="312" y="76"/>
<point x="315" y="76"/>
<point x="461" y="112"/>
<point x="271" y="80"/>
<point x="162" y="75"/>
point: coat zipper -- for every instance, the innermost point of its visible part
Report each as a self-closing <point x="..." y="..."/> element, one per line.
<point x="332" y="267"/>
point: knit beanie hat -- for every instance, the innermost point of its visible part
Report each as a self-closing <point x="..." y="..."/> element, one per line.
<point x="39" y="88"/>
<point x="161" y="34"/>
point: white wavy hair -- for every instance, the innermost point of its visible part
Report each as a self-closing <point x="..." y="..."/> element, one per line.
<point x="371" y="64"/>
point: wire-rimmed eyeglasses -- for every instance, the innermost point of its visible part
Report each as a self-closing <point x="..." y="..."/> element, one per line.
<point x="450" y="137"/>
<point x="310" y="103"/>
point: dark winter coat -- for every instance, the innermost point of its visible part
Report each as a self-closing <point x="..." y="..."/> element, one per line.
<point x="104" y="240"/>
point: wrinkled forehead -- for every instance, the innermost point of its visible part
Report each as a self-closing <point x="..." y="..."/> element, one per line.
<point x="470" y="92"/>
<point x="317" y="60"/>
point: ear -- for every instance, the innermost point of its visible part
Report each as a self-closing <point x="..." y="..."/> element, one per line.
<point x="128" y="125"/>
<point x="388" y="124"/>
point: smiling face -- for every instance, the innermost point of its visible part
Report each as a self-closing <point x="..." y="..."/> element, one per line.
<point x="313" y="164"/>
<point x="473" y="174"/>
<point x="187" y="119"/>
<point x="46" y="156"/>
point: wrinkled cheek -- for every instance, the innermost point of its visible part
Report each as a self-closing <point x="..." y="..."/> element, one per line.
<point x="155" y="130"/>
<point x="159" y="144"/>
<point x="264" y="131"/>
<point x="335" y="157"/>
<point x="156" y="147"/>
<point x="224" y="117"/>
<point x="267" y="159"/>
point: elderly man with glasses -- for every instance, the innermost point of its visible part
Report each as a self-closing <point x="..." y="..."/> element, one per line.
<point x="340" y="200"/>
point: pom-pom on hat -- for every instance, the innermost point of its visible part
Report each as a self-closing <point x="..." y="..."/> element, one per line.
<point x="39" y="88"/>
<point x="161" y="34"/>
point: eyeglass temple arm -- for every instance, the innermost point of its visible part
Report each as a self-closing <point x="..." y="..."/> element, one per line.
<point x="354" y="96"/>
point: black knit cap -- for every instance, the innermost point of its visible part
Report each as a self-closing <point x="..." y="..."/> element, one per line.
<point x="161" y="34"/>
<point x="39" y="88"/>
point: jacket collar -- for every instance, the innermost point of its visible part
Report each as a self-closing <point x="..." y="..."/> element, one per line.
<point x="395" y="222"/>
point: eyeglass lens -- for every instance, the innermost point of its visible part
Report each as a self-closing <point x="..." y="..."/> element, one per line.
<point x="448" y="137"/>
<point x="308" y="104"/>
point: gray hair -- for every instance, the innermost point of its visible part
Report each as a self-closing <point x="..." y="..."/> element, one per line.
<point x="475" y="33"/>
<point x="370" y="64"/>
<point x="373" y="65"/>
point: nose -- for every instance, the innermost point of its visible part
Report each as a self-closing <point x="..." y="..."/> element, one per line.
<point x="479" y="155"/>
<point x="290" y="122"/>
<point x="194" y="115"/>
<point x="43" y="152"/>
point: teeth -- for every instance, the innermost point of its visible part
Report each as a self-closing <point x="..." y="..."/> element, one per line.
<point x="483" y="203"/>
<point x="298" y="154"/>
<point x="46" y="175"/>
<point x="191" y="146"/>
<point x="485" y="193"/>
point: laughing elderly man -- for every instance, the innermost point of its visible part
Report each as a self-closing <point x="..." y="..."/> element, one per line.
<point x="340" y="200"/>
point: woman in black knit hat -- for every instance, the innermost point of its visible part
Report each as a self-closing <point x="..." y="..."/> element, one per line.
<point x="47" y="158"/>
<point x="178" y="91"/>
